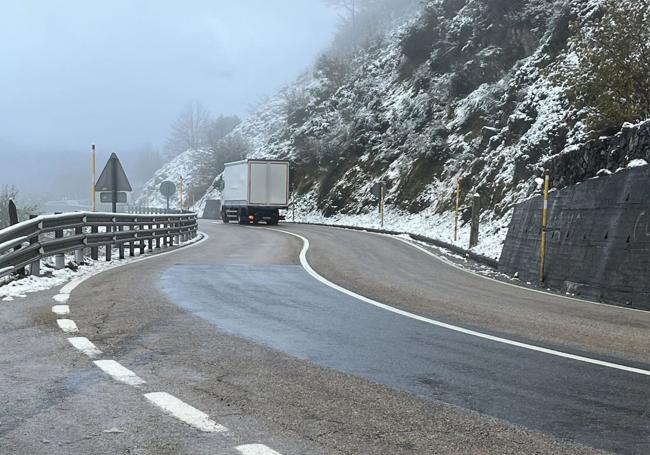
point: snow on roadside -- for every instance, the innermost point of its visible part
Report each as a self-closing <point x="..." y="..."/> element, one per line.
<point x="11" y="290"/>
<point x="426" y="223"/>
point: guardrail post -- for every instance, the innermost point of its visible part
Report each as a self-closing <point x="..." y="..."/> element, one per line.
<point x="120" y="245"/>
<point x="59" y="259"/>
<point x="150" y="241"/>
<point x="132" y="242"/>
<point x="94" y="251"/>
<point x="79" y="253"/>
<point x="109" y="252"/>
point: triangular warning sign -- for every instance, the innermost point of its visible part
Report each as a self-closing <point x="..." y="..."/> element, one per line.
<point x="113" y="177"/>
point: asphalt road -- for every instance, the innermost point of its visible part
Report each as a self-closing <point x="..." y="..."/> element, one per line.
<point x="236" y="328"/>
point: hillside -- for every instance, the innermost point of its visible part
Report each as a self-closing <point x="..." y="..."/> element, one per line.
<point x="468" y="91"/>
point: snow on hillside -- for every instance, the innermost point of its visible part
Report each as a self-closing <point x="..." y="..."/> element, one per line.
<point x="184" y="165"/>
<point x="458" y="94"/>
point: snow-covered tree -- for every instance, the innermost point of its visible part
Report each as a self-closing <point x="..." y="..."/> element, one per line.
<point x="609" y="75"/>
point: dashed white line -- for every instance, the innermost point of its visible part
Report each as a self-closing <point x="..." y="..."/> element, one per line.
<point x="305" y="264"/>
<point x="61" y="310"/>
<point x="61" y="298"/>
<point x="86" y="346"/>
<point x="256" y="449"/>
<point x="67" y="325"/>
<point x="118" y="372"/>
<point x="184" y="412"/>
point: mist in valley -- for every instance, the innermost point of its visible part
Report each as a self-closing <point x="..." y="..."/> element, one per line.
<point x="119" y="74"/>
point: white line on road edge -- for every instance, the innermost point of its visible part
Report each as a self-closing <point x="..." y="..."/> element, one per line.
<point x="72" y="285"/>
<point x="256" y="449"/>
<point x="118" y="372"/>
<point x="505" y="283"/>
<point x="61" y="298"/>
<point x="313" y="273"/>
<point x="184" y="412"/>
<point x="67" y="325"/>
<point x="84" y="345"/>
<point x="61" y="310"/>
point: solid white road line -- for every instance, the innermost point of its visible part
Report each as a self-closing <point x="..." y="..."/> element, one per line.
<point x="84" y="345"/>
<point x="61" y="298"/>
<point x="485" y="336"/>
<point x="72" y="285"/>
<point x="118" y="372"/>
<point x="504" y="283"/>
<point x="67" y="325"/>
<point x="184" y="412"/>
<point x="256" y="449"/>
<point x="61" y="310"/>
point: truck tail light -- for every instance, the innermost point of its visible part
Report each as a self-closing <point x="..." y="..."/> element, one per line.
<point x="251" y="217"/>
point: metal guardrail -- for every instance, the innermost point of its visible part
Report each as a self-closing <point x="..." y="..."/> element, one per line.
<point x="27" y="243"/>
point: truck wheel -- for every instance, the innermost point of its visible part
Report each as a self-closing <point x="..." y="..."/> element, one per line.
<point x="243" y="217"/>
<point x="224" y="217"/>
<point x="273" y="222"/>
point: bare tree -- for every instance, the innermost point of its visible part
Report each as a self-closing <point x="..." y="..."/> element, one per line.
<point x="189" y="131"/>
<point x="219" y="128"/>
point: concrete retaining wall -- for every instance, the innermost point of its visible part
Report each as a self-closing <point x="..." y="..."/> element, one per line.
<point x="601" y="244"/>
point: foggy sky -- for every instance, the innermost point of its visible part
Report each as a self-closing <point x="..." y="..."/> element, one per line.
<point x="117" y="73"/>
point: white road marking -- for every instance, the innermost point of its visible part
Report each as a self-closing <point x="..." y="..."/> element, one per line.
<point x="61" y="298"/>
<point x="72" y="285"/>
<point x="61" y="310"/>
<point x="184" y="412"/>
<point x="530" y="347"/>
<point x="504" y="283"/>
<point x="472" y="272"/>
<point x="84" y="345"/>
<point x="67" y="325"/>
<point x="256" y="449"/>
<point x="118" y="372"/>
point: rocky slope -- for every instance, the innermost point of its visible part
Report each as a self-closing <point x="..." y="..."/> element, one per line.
<point x="466" y="91"/>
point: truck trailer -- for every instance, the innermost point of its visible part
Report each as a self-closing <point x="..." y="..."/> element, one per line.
<point x="255" y="191"/>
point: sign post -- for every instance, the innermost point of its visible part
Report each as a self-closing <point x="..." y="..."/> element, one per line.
<point x="181" y="194"/>
<point x="542" y="259"/>
<point x="113" y="179"/>
<point x="93" y="196"/>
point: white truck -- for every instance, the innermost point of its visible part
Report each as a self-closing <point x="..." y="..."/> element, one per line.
<point x="254" y="191"/>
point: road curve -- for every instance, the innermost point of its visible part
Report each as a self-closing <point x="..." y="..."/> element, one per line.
<point x="385" y="269"/>
<point x="283" y="307"/>
<point x="237" y="328"/>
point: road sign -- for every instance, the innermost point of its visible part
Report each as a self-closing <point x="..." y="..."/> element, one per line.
<point x="107" y="197"/>
<point x="167" y="188"/>
<point x="376" y="189"/>
<point x="113" y="179"/>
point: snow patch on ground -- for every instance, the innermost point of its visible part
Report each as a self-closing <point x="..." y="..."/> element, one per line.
<point x="20" y="288"/>
<point x="426" y="223"/>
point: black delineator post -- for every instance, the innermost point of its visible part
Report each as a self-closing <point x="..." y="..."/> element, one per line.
<point x="13" y="219"/>
<point x="476" y="217"/>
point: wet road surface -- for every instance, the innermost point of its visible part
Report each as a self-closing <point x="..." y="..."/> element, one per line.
<point x="281" y="306"/>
